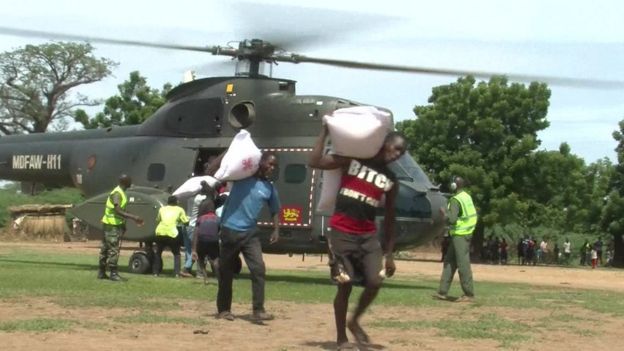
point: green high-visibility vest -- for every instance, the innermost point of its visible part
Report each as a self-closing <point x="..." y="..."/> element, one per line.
<point x="467" y="222"/>
<point x="110" y="217"/>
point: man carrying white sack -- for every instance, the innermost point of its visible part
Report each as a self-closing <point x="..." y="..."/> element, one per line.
<point x="352" y="240"/>
<point x="239" y="234"/>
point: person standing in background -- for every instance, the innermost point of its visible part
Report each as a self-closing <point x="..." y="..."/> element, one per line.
<point x="462" y="218"/>
<point x="503" y="251"/>
<point x="567" y="250"/>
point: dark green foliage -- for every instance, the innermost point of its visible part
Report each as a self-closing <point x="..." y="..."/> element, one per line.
<point x="135" y="102"/>
<point x="612" y="219"/>
<point x="487" y="133"/>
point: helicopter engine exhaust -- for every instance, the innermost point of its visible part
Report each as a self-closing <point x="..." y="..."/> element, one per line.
<point x="242" y="115"/>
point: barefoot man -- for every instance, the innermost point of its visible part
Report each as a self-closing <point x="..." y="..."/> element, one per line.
<point x="353" y="243"/>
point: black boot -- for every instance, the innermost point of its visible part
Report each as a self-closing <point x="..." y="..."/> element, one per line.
<point x="102" y="273"/>
<point x="102" y="268"/>
<point x="114" y="276"/>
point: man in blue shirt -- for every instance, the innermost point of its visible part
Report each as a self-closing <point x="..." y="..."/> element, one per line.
<point x="239" y="234"/>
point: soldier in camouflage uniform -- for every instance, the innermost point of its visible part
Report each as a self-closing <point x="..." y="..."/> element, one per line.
<point x="114" y="226"/>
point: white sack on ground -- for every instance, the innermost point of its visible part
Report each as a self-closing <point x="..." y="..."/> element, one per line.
<point x="192" y="186"/>
<point x="358" y="132"/>
<point x="330" y="185"/>
<point x="241" y="160"/>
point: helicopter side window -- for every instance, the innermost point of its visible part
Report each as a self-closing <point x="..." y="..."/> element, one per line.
<point x="156" y="172"/>
<point x="295" y="173"/>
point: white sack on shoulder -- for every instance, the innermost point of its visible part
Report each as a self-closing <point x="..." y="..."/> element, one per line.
<point x="241" y="160"/>
<point x="358" y="132"/>
<point x="330" y="185"/>
<point x="192" y="186"/>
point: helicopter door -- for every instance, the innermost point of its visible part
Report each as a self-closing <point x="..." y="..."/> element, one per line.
<point x="293" y="180"/>
<point x="204" y="156"/>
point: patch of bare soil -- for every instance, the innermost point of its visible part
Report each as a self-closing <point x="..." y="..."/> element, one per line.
<point x="310" y="326"/>
<point x="297" y="327"/>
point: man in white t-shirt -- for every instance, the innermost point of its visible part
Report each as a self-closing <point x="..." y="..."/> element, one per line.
<point x="544" y="250"/>
<point x="567" y="249"/>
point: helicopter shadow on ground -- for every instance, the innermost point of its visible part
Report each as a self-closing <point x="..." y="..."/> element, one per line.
<point x="78" y="266"/>
<point x="331" y="345"/>
<point x="298" y="279"/>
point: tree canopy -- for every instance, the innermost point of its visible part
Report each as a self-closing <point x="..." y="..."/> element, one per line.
<point x="612" y="219"/>
<point x="487" y="133"/>
<point x="35" y="84"/>
<point x="134" y="103"/>
<point x="484" y="132"/>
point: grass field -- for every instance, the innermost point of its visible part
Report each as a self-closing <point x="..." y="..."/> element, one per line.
<point x="51" y="294"/>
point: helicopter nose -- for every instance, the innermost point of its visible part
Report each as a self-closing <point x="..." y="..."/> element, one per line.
<point x="412" y="202"/>
<point x="418" y="219"/>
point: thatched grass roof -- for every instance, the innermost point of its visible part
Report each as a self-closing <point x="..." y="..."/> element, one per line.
<point x="17" y="211"/>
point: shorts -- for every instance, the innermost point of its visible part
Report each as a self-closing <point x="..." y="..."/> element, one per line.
<point x="359" y="255"/>
<point x="208" y="249"/>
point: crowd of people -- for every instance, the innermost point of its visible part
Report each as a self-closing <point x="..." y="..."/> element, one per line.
<point x="531" y="251"/>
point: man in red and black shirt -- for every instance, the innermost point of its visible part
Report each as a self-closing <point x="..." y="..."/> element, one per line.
<point x="353" y="243"/>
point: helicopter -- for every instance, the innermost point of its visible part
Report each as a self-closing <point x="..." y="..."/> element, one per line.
<point x="198" y="122"/>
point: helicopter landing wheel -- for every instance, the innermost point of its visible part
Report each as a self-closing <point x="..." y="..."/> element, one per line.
<point x="139" y="263"/>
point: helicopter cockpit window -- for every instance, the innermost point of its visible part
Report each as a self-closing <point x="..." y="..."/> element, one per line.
<point x="405" y="168"/>
<point x="295" y="173"/>
<point x="155" y="172"/>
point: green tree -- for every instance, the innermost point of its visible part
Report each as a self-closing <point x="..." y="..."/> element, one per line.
<point x="598" y="176"/>
<point x="135" y="102"/>
<point x="557" y="189"/>
<point x="612" y="219"/>
<point x="35" y="84"/>
<point x="486" y="133"/>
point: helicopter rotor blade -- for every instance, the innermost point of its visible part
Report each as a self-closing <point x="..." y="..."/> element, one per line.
<point x="63" y="36"/>
<point x="216" y="67"/>
<point x="554" y="80"/>
<point x="286" y="41"/>
<point x="289" y="26"/>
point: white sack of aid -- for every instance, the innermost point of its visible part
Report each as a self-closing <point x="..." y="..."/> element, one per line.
<point x="192" y="186"/>
<point x="241" y="160"/>
<point x="357" y="132"/>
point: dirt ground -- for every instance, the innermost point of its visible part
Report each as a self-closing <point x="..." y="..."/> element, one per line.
<point x="310" y="326"/>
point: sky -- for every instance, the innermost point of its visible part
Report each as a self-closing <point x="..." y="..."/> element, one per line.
<point x="557" y="38"/>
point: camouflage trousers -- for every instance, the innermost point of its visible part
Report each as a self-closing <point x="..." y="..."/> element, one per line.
<point x="109" y="251"/>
